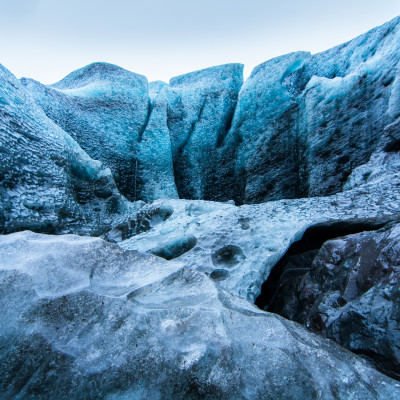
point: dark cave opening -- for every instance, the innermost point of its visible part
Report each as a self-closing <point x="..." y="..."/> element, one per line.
<point x="299" y="257"/>
<point x="296" y="290"/>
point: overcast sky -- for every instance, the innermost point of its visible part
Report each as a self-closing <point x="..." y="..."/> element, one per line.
<point x="47" y="39"/>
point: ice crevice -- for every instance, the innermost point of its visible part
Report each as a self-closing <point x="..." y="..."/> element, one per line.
<point x="307" y="247"/>
<point x="331" y="281"/>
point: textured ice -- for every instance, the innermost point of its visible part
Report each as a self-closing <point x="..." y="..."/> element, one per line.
<point x="350" y="293"/>
<point x="304" y="122"/>
<point x="47" y="182"/>
<point x="317" y="136"/>
<point x="200" y="108"/>
<point x="297" y="127"/>
<point x="262" y="233"/>
<point x="119" y="324"/>
<point x="155" y="170"/>
<point x="105" y="109"/>
<point x="155" y="88"/>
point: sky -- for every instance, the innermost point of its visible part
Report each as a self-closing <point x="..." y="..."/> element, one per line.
<point x="47" y="39"/>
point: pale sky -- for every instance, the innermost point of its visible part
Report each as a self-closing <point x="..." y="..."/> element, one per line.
<point x="47" y="39"/>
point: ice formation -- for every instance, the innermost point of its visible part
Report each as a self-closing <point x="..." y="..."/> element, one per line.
<point x="194" y="200"/>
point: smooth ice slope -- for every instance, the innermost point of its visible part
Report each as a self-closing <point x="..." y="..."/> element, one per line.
<point x="85" y="319"/>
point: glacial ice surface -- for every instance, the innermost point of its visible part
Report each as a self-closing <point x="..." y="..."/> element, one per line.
<point x="261" y="234"/>
<point x="303" y="122"/>
<point x="105" y="109"/>
<point x="85" y="319"/>
<point x="47" y="182"/>
<point x="82" y="318"/>
<point x="297" y="127"/>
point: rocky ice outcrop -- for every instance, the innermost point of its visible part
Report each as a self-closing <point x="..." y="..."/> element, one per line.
<point x="85" y="319"/>
<point x="47" y="182"/>
<point x="348" y="103"/>
<point x="261" y="152"/>
<point x="105" y="109"/>
<point x="348" y="291"/>
<point x="150" y="136"/>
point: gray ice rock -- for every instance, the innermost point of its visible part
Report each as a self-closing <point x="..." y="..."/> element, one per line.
<point x="383" y="163"/>
<point x="200" y="109"/>
<point x="349" y="292"/>
<point x="84" y="319"/>
<point x="105" y="108"/>
<point x="304" y="122"/>
<point x="47" y="182"/>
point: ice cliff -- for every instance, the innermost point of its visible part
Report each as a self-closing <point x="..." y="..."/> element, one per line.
<point x="297" y="127"/>
<point x="217" y="216"/>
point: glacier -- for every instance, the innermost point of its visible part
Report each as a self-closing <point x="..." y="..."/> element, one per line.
<point x="210" y="237"/>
